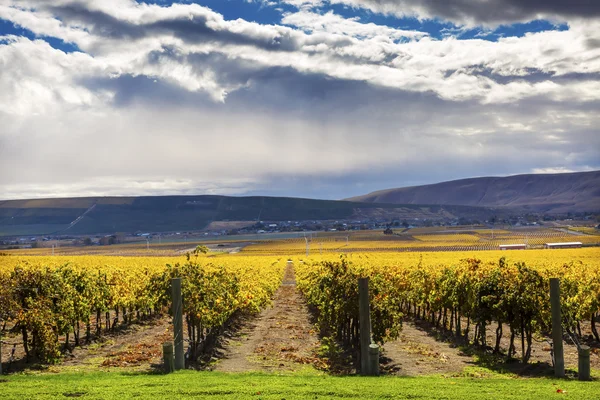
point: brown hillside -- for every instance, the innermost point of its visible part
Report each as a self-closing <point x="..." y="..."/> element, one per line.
<point x="553" y="193"/>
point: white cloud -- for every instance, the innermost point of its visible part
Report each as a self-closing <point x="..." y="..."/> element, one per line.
<point x="36" y="78"/>
<point x="558" y="170"/>
<point x="335" y="24"/>
<point x="337" y="47"/>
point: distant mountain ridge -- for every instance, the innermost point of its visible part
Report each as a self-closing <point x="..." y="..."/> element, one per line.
<point x="92" y="215"/>
<point x="549" y="193"/>
<point x="474" y="198"/>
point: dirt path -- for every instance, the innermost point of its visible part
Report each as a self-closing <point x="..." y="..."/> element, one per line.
<point x="281" y="338"/>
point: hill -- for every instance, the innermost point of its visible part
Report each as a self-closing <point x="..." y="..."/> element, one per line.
<point x="548" y="193"/>
<point x="93" y="215"/>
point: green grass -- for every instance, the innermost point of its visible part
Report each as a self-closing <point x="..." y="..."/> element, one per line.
<point x="213" y="385"/>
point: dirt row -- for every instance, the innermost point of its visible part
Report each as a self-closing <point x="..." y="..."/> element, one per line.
<point x="281" y="338"/>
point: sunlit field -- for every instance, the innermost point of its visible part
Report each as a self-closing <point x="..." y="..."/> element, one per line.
<point x="420" y="240"/>
<point x="57" y="300"/>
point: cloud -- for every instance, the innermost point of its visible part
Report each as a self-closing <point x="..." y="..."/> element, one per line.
<point x="335" y="24"/>
<point x="326" y="142"/>
<point x="162" y="42"/>
<point x="36" y="78"/>
<point x="180" y="100"/>
<point x="473" y="13"/>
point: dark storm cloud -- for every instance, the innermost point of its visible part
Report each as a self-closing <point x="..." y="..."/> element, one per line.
<point x="97" y="22"/>
<point x="197" y="31"/>
<point x="592" y="43"/>
<point x="190" y="30"/>
<point x="487" y="12"/>
<point x="530" y="75"/>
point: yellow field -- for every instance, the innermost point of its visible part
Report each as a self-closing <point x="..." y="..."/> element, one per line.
<point x="590" y="230"/>
<point x="533" y="258"/>
<point x="131" y="264"/>
<point x="410" y="240"/>
<point x="418" y="239"/>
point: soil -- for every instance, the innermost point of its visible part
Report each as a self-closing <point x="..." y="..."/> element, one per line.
<point x="281" y="338"/>
<point x="137" y="345"/>
<point x="423" y="349"/>
<point x="418" y="353"/>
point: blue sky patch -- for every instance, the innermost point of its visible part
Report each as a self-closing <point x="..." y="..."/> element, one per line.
<point x="8" y="28"/>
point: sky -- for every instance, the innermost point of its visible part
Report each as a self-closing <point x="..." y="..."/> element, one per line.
<point x="308" y="98"/>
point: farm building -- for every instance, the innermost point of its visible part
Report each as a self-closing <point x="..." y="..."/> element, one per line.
<point x="520" y="246"/>
<point x="565" y="245"/>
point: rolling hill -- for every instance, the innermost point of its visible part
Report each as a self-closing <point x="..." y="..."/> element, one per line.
<point x="548" y="193"/>
<point x="93" y="215"/>
<point x="475" y="198"/>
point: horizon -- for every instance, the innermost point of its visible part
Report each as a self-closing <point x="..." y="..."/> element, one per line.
<point x="316" y="99"/>
<point x="296" y="197"/>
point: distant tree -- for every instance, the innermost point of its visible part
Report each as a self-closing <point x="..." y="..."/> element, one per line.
<point x="531" y="218"/>
<point x="388" y="231"/>
<point x="87" y="241"/>
<point x="201" y="249"/>
<point x="339" y="227"/>
<point x="120" y="237"/>
<point x="196" y="252"/>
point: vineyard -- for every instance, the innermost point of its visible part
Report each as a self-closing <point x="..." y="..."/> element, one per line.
<point x="454" y="294"/>
<point x="422" y="239"/>
<point x="136" y="249"/>
<point x="54" y="303"/>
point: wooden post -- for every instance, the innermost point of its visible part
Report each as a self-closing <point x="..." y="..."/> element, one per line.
<point x="178" y="324"/>
<point x="0" y="353"/>
<point x="557" y="333"/>
<point x="374" y="359"/>
<point x="365" y="324"/>
<point x="584" y="363"/>
<point x="168" y="359"/>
